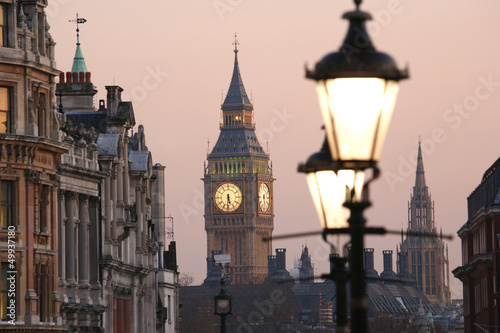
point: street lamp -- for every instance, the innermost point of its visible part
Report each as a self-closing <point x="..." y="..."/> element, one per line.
<point x="357" y="88"/>
<point x="223" y="302"/>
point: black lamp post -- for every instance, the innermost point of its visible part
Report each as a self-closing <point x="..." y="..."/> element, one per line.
<point x="223" y="302"/>
<point x="357" y="88"/>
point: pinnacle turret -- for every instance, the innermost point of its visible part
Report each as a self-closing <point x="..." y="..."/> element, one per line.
<point x="78" y="61"/>
<point x="236" y="98"/>
<point x="420" y="176"/>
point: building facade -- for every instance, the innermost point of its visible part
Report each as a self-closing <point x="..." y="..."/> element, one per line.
<point x="82" y="206"/>
<point x="427" y="256"/>
<point x="481" y="254"/>
<point x="29" y="180"/>
<point x="121" y="283"/>
<point x="238" y="184"/>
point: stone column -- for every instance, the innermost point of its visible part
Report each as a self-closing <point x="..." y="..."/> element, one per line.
<point x="83" y="249"/>
<point x="61" y="230"/>
<point x="138" y="210"/>
<point x="70" y="241"/>
<point x="94" y="240"/>
<point x="113" y="195"/>
<point x="126" y="179"/>
<point x="120" y="207"/>
<point x="107" y="209"/>
<point x="56" y="266"/>
<point x="30" y="296"/>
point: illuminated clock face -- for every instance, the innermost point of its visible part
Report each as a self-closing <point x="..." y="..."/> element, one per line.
<point x="228" y="197"/>
<point x="264" y="198"/>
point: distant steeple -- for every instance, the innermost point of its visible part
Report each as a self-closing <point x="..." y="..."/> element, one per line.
<point x="420" y="177"/>
<point x="236" y="98"/>
<point x="78" y="61"/>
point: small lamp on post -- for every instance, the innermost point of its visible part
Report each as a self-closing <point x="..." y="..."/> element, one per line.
<point x="357" y="88"/>
<point x="223" y="304"/>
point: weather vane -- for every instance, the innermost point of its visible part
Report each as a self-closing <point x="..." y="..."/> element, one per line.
<point x="78" y="20"/>
<point x="236" y="43"/>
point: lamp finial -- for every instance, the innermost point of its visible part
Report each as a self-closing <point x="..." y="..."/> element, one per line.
<point x="357" y="3"/>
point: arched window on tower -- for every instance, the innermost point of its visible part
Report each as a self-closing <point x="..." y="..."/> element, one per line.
<point x="433" y="273"/>
<point x="427" y="274"/>
<point x="419" y="270"/>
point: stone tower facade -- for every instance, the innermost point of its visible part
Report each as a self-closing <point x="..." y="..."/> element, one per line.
<point x="238" y="185"/>
<point x="427" y="256"/>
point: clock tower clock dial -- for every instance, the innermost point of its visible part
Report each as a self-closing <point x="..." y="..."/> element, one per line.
<point x="238" y="190"/>
<point x="228" y="197"/>
<point x="264" y="197"/>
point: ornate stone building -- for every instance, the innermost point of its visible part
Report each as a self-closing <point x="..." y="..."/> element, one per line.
<point x="30" y="152"/>
<point x="118" y="271"/>
<point x="427" y="256"/>
<point x="239" y="189"/>
<point x="82" y="207"/>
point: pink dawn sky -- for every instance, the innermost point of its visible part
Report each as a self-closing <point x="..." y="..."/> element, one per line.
<point x="174" y="60"/>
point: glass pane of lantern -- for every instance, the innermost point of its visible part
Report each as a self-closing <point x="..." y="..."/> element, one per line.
<point x="391" y="92"/>
<point x="353" y="180"/>
<point x="328" y="195"/>
<point x="223" y="304"/>
<point x="354" y="110"/>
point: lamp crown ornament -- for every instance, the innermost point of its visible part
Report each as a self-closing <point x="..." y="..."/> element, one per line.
<point x="357" y="88"/>
<point x="357" y="56"/>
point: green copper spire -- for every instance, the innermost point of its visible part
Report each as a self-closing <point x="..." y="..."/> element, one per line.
<point x="78" y="61"/>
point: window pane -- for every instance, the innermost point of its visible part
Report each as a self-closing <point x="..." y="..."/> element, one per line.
<point x="3" y="292"/>
<point x="2" y="24"/>
<point x="6" y="204"/>
<point x="4" y="99"/>
<point x="3" y="121"/>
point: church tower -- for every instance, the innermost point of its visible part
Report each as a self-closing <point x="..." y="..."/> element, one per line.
<point x="238" y="185"/>
<point x="427" y="256"/>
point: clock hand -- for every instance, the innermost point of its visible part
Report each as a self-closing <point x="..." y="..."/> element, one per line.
<point x="228" y="199"/>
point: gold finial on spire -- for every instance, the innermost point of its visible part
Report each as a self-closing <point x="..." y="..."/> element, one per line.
<point x="236" y="43"/>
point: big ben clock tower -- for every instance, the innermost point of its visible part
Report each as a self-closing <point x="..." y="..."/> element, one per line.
<point x="239" y="189"/>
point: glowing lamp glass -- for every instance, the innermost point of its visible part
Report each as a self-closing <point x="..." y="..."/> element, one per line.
<point x="329" y="192"/>
<point x="356" y="114"/>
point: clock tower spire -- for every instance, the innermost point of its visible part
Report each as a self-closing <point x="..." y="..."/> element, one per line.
<point x="239" y="189"/>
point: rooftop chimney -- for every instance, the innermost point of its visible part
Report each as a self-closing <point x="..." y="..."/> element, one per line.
<point x="280" y="259"/>
<point x="388" y="272"/>
<point x="271" y="265"/>
<point x="369" y="263"/>
<point x="114" y="97"/>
